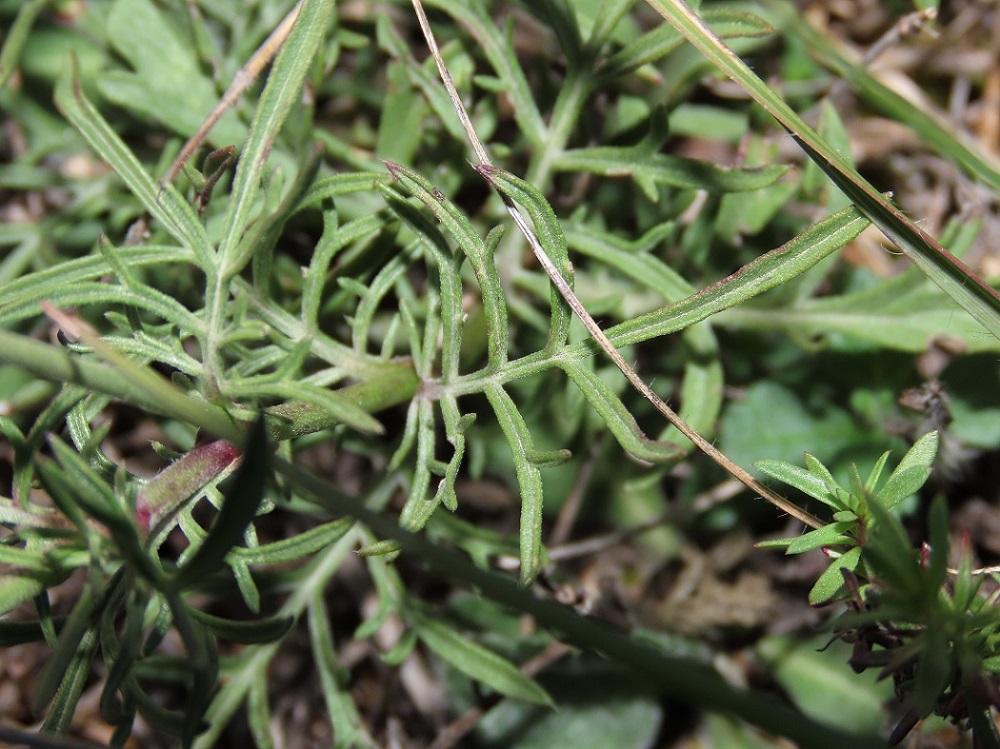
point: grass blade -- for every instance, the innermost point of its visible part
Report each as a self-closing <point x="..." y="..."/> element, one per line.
<point x="163" y="203"/>
<point x="17" y="36"/>
<point x="969" y="291"/>
<point x="281" y="92"/>
<point x="948" y="140"/>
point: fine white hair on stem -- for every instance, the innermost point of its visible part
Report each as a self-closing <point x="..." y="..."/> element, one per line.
<point x="485" y="169"/>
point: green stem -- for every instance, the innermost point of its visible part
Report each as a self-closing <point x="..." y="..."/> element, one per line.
<point x="396" y="382"/>
<point x="390" y="388"/>
<point x="565" y="116"/>
<point x="59" y="365"/>
<point x="215" y="296"/>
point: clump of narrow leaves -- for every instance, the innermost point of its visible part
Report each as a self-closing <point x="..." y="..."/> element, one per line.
<point x="927" y="627"/>
<point x="854" y="511"/>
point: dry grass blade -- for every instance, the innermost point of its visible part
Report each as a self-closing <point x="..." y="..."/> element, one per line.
<point x="486" y="168"/>
<point x="241" y="81"/>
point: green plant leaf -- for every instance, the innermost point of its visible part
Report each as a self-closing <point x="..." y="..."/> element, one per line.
<point x="940" y="543"/>
<point x="634" y="258"/>
<point x="876" y="473"/>
<point x="280" y="92"/>
<point x="652" y="169"/>
<point x="399" y="652"/>
<point x="921" y="455"/>
<point x="448" y="267"/>
<point x="42" y="283"/>
<point x="902" y="484"/>
<point x="79" y="483"/>
<point x="743" y="213"/>
<point x="86" y="293"/>
<point x="177" y="94"/>
<point x="553" y="241"/>
<point x="823" y="686"/>
<point x="969" y="291"/>
<point x="23" y="560"/>
<point x="617" y="418"/>
<point x="16" y="589"/>
<point x="744" y="442"/>
<point x="620" y="714"/>
<point x="348" y="727"/>
<point x="203" y="654"/>
<point x="21" y="632"/>
<point x="911" y="473"/>
<point x="17" y="36"/>
<point x="259" y="714"/>
<point x="75" y="639"/>
<point x="478" y="252"/>
<point x="126" y="381"/>
<point x="890" y="556"/>
<point x="477" y="662"/>
<point x="250" y="632"/>
<point x="335" y="407"/>
<point x="895" y="315"/>
<point x="499" y="49"/>
<point x="662" y="40"/>
<point x="764" y="273"/>
<point x="73" y="678"/>
<point x="298" y="546"/>
<point x="834" y="534"/>
<point x="803" y="480"/>
<point x="162" y="201"/>
<point x="528" y="479"/>
<point x="832" y="580"/>
<point x="832" y="128"/>
<point x="820" y="471"/>
<point x="934" y="670"/>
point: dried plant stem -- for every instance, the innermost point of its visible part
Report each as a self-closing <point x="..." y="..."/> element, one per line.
<point x="241" y="81"/>
<point x="905" y="27"/>
<point x="563" y="527"/>
<point x="485" y="168"/>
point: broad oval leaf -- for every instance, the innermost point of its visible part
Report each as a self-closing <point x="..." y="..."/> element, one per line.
<point x="912" y="471"/>
<point x="922" y="453"/>
<point x="902" y="484"/>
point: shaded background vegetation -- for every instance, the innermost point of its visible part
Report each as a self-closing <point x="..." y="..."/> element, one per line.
<point x="857" y="356"/>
